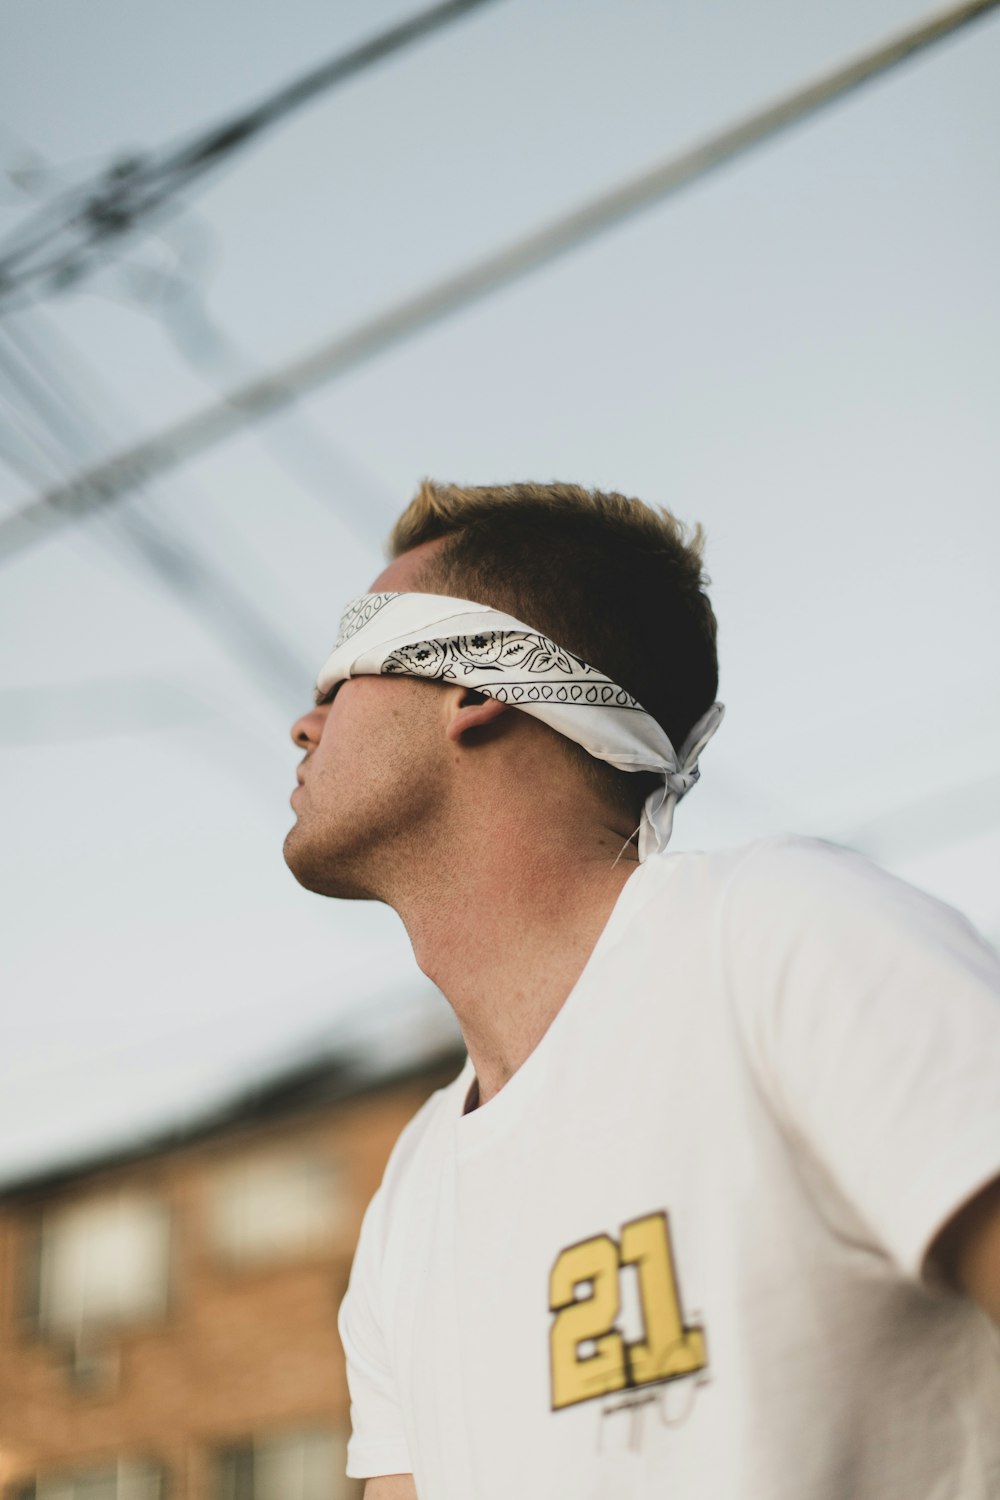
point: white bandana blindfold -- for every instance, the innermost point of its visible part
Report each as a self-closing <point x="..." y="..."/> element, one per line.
<point x="456" y="641"/>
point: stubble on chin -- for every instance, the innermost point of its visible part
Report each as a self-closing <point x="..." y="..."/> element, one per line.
<point x="321" y="867"/>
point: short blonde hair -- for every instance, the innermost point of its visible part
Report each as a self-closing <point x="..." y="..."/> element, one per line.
<point x="442" y="509"/>
<point x="617" y="582"/>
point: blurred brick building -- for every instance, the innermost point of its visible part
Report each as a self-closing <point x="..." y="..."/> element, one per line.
<point x="168" y="1320"/>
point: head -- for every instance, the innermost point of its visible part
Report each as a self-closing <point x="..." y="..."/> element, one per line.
<point x="612" y="580"/>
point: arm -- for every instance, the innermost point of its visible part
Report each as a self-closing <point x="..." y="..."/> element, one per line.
<point x="391" y="1487"/>
<point x="871" y="1013"/>
<point x="967" y="1251"/>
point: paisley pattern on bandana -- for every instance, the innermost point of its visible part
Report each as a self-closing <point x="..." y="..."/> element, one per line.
<point x="359" y="613"/>
<point x="422" y="659"/>
<point x="520" y="658"/>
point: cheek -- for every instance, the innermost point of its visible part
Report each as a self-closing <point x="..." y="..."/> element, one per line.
<point x="355" y="746"/>
<point x="380" y="738"/>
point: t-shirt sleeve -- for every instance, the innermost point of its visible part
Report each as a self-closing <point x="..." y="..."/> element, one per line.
<point x="377" y="1444"/>
<point x="872" y="1016"/>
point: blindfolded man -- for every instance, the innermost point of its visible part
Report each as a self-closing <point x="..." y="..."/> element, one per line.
<point x="709" y="1210"/>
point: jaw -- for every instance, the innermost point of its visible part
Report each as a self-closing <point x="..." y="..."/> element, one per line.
<point x="366" y="853"/>
<point x="324" y="870"/>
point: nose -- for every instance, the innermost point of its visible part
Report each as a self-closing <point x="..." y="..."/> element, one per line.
<point x="306" y="731"/>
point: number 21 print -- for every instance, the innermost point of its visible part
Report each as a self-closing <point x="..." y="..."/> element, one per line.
<point x="590" y="1356"/>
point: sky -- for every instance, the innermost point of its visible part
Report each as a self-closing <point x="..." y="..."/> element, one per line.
<point x="800" y="351"/>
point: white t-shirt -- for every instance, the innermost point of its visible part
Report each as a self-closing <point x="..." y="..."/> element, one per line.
<point x="681" y="1253"/>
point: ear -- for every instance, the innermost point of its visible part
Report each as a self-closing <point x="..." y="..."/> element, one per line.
<point x="473" y="710"/>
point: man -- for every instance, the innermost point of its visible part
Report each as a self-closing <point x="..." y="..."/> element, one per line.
<point x="709" y="1211"/>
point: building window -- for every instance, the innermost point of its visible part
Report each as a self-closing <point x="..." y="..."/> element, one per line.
<point x="292" y="1466"/>
<point x="101" y="1262"/>
<point x="121" y="1481"/>
<point x="276" y="1206"/>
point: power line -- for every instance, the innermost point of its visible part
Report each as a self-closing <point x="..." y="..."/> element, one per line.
<point x="174" y="295"/>
<point x="108" y="481"/>
<point x="37" y="366"/>
<point x="52" y="423"/>
<point x="61" y="242"/>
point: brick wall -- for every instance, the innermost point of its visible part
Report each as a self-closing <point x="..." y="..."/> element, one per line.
<point x="243" y="1350"/>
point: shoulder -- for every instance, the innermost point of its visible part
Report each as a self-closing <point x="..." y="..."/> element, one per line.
<point x="762" y="905"/>
<point x="773" y="880"/>
<point x="820" y="947"/>
<point x="777" y="858"/>
<point x="794" y="864"/>
<point x="790" y="888"/>
<point x="802" y="931"/>
<point x="767" y="889"/>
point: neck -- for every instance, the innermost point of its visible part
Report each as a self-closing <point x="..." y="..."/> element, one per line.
<point x="505" y="927"/>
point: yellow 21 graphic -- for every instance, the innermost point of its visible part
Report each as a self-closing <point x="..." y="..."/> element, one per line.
<point x="668" y="1349"/>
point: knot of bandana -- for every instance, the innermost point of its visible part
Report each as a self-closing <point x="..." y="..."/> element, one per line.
<point x="681" y="782"/>
<point x="455" y="640"/>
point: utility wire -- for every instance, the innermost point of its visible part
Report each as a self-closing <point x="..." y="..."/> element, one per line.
<point x="108" y="481"/>
<point x="297" y="445"/>
<point x="174" y="294"/>
<point x="51" y="404"/>
<point x="36" y="365"/>
<point x="61" y="242"/>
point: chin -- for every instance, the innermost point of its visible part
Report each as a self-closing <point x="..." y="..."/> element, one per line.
<point x="301" y="859"/>
<point x="320" y="871"/>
